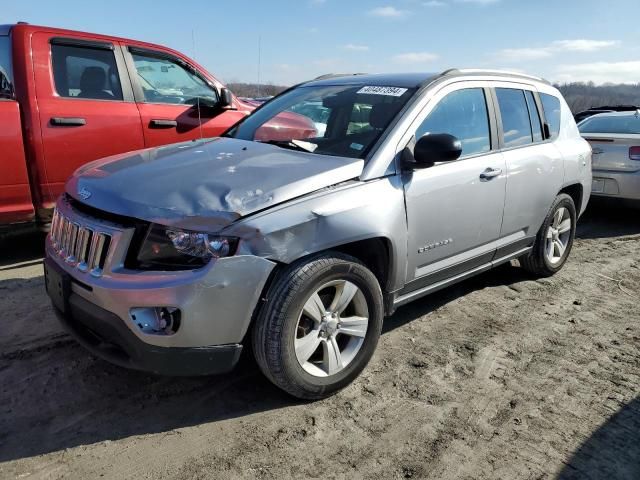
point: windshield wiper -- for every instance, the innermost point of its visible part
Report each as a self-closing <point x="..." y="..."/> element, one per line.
<point x="299" y="145"/>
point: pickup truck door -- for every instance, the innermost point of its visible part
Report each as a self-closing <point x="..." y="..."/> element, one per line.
<point x="454" y="209"/>
<point x="85" y="104"/>
<point x="167" y="88"/>
<point x="15" y="194"/>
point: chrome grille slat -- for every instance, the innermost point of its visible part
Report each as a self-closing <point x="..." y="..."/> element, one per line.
<point x="80" y="245"/>
<point x="54" y="226"/>
<point x="66" y="234"/>
<point x="94" y="266"/>
<point x="73" y="240"/>
<point x="55" y="229"/>
<point x="83" y="239"/>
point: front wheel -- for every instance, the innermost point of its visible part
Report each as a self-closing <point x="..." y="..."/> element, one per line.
<point x="554" y="239"/>
<point x="319" y="326"/>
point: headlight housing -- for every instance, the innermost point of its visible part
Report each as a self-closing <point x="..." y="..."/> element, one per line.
<point x="168" y="248"/>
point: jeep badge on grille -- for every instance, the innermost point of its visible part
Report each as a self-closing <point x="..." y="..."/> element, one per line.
<point x="83" y="193"/>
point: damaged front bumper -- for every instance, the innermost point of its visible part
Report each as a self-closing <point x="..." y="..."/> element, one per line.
<point x="108" y="308"/>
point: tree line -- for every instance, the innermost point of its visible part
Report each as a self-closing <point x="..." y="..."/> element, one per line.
<point x="255" y="90"/>
<point x="581" y="96"/>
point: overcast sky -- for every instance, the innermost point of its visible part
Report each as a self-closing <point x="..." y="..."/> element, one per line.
<point x="562" y="40"/>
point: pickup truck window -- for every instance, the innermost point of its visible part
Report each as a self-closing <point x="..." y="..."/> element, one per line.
<point x="166" y="81"/>
<point x="84" y="72"/>
<point x="6" y="76"/>
<point x="463" y="114"/>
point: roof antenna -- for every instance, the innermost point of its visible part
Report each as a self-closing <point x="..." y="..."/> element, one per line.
<point x="259" y="55"/>
<point x="193" y="41"/>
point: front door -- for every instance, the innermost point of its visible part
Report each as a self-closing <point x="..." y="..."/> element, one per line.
<point x="86" y="107"/>
<point x="454" y="209"/>
<point x="169" y="91"/>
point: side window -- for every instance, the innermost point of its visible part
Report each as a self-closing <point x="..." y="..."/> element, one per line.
<point x="515" y="117"/>
<point x="551" y="106"/>
<point x="85" y="72"/>
<point x="463" y="114"/>
<point x="6" y="76"/>
<point x="534" y="117"/>
<point x="164" y="80"/>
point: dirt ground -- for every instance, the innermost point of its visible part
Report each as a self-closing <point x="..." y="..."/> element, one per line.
<point x="502" y="376"/>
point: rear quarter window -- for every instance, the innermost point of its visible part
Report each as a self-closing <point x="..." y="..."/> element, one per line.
<point x="6" y="73"/>
<point x="551" y="107"/>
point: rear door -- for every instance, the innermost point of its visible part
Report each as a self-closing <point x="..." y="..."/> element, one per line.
<point x="15" y="194"/>
<point x="169" y="90"/>
<point x="86" y="106"/>
<point x="535" y="169"/>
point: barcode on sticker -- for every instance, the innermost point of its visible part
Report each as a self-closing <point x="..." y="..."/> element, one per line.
<point x="389" y="91"/>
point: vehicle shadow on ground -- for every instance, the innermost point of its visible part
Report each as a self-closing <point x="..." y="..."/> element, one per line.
<point x="613" y="451"/>
<point x="606" y="218"/>
<point x="18" y="251"/>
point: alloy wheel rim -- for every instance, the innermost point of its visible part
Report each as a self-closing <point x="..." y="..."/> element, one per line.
<point x="331" y="328"/>
<point x="558" y="236"/>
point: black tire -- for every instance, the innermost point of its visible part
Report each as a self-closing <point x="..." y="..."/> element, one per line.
<point x="536" y="261"/>
<point x="274" y="332"/>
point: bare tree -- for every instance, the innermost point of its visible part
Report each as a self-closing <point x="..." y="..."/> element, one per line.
<point x="252" y="90"/>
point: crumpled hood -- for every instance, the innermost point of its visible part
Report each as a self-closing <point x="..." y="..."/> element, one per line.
<point x="206" y="183"/>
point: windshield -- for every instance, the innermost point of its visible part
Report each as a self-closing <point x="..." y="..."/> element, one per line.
<point x="611" y="124"/>
<point x="341" y="120"/>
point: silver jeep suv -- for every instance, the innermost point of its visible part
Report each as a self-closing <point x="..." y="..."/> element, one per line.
<point x="299" y="241"/>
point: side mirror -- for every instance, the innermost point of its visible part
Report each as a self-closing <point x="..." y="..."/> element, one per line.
<point x="226" y="99"/>
<point x="436" y="147"/>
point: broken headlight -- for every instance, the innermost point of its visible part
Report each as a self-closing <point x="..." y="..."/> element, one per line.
<point x="176" y="249"/>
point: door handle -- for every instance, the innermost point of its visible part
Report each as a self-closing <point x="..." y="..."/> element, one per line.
<point x="162" y="123"/>
<point x="68" y="121"/>
<point x="597" y="151"/>
<point x="490" y="173"/>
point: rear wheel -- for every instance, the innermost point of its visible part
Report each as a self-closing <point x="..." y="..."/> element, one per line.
<point x="320" y="325"/>
<point x="554" y="239"/>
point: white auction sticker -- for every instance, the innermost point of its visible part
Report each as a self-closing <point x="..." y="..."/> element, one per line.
<point x="388" y="91"/>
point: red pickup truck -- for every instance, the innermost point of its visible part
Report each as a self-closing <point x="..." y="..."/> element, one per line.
<point x="68" y="97"/>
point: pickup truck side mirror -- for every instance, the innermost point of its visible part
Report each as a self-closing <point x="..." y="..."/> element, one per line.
<point x="436" y="147"/>
<point x="226" y="99"/>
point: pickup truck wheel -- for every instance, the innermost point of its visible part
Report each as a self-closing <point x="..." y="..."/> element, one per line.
<point x="319" y="326"/>
<point x="554" y="239"/>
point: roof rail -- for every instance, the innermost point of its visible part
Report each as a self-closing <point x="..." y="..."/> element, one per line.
<point x="334" y="75"/>
<point x="483" y="71"/>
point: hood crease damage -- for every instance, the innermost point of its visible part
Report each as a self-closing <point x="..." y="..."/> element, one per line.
<point x="206" y="183"/>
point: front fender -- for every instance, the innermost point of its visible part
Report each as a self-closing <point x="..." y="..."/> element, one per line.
<point x="328" y="219"/>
